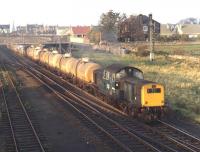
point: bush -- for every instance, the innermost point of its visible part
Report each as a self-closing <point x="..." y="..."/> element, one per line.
<point x="142" y="51"/>
<point x="178" y="52"/>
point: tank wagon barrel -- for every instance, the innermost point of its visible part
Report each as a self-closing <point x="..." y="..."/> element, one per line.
<point x="85" y="71"/>
<point x="41" y="56"/>
<point x="45" y="58"/>
<point x="18" y="49"/>
<point x="30" y="52"/>
<point x="36" y="53"/>
<point x="54" y="58"/>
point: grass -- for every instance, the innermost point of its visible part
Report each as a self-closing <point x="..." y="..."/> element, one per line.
<point x="180" y="78"/>
<point x="184" y="49"/>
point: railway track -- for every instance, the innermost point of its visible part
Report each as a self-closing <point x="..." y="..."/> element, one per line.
<point x="160" y="140"/>
<point x="178" y="135"/>
<point x="117" y="134"/>
<point x="123" y="132"/>
<point x="163" y="141"/>
<point x="125" y="140"/>
<point x="156" y="137"/>
<point x="24" y="137"/>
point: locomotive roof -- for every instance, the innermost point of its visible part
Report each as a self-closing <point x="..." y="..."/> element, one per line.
<point x="136" y="80"/>
<point x="114" y="68"/>
<point x="139" y="82"/>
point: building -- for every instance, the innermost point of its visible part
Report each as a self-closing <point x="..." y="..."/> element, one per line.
<point x="191" y="30"/>
<point x="49" y="30"/>
<point x="35" y="29"/>
<point x="136" y="28"/>
<point x="21" y="29"/>
<point x="78" y="34"/>
<point x="168" y="30"/>
<point x="4" y="28"/>
<point x="62" y="30"/>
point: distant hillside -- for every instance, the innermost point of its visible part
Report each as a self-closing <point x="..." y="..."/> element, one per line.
<point x="190" y="20"/>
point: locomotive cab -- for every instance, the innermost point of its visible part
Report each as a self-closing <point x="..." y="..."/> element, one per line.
<point x="152" y="95"/>
<point x="111" y="79"/>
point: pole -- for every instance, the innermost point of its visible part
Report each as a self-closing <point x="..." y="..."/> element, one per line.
<point x="151" y="38"/>
<point x="100" y="37"/>
<point x="60" y="51"/>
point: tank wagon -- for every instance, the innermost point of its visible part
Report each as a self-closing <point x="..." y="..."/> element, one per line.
<point x="18" y="49"/>
<point x="122" y="86"/>
<point x="33" y="52"/>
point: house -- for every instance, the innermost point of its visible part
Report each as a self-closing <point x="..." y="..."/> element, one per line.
<point x="192" y="30"/>
<point x="168" y="30"/>
<point x="35" y="29"/>
<point x="62" y="30"/>
<point x="49" y="30"/>
<point x="21" y="29"/>
<point x="78" y="34"/>
<point x="5" y="28"/>
<point x="136" y="28"/>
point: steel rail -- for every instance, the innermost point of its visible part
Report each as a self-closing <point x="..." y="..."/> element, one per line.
<point x="80" y="112"/>
<point x="82" y="102"/>
<point x="10" y="122"/>
<point x="185" y="135"/>
<point x="25" y="112"/>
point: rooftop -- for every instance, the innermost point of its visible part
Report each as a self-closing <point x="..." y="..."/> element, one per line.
<point x="81" y="29"/>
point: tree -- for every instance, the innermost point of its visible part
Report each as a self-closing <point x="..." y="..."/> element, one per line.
<point x="94" y="35"/>
<point x="109" y="25"/>
<point x="131" y="29"/>
<point x="109" y="21"/>
<point x="122" y="18"/>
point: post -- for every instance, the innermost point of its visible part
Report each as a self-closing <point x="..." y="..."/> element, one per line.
<point x="70" y="48"/>
<point x="60" y="51"/>
<point x="151" y="38"/>
<point x="100" y="37"/>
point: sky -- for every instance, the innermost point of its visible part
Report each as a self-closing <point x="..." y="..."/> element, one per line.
<point x="88" y="12"/>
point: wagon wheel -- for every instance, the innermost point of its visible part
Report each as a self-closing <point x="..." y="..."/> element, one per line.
<point x="125" y="110"/>
<point x="123" y="107"/>
<point x="133" y="113"/>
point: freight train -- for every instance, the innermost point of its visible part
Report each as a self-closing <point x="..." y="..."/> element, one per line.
<point x="121" y="86"/>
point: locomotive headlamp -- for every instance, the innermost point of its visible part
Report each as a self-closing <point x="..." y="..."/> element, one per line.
<point x="117" y="85"/>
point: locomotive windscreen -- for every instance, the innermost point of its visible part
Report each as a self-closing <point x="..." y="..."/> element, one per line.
<point x="129" y="72"/>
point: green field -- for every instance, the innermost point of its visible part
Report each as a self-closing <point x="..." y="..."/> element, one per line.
<point x="180" y="78"/>
<point x="186" y="49"/>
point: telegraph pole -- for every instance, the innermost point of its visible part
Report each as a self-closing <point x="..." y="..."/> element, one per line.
<point x="151" y="38"/>
<point x="60" y="47"/>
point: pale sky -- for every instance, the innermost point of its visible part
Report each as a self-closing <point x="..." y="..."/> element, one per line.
<point x="87" y="12"/>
